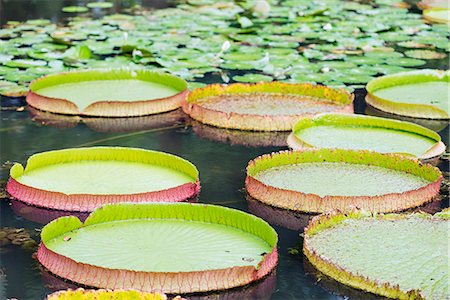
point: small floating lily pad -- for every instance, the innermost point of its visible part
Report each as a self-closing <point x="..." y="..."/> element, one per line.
<point x="138" y="246"/>
<point x="273" y="106"/>
<point x="425" y="54"/>
<point x="82" y="179"/>
<point x="100" y="5"/>
<point x="74" y="9"/>
<point x="82" y="294"/>
<point x="106" y="93"/>
<point x="352" y="249"/>
<point x="252" y="78"/>
<point x="366" y="133"/>
<point x="321" y="180"/>
<point x="419" y="94"/>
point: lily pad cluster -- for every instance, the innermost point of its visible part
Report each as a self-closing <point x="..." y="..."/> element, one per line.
<point x="333" y="42"/>
<point x="18" y="237"/>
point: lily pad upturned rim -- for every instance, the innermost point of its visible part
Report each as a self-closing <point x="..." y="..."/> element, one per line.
<point x="313" y="203"/>
<point x="296" y="143"/>
<point x="332" y="218"/>
<point x="167" y="282"/>
<point x="433" y="4"/>
<point x="88" y="202"/>
<point x="254" y="122"/>
<point x="118" y="294"/>
<point x="427" y="14"/>
<point x="421" y="111"/>
<point x="107" y="108"/>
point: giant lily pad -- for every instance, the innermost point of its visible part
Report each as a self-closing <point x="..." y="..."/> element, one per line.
<point x="321" y="180"/>
<point x="106" y="93"/>
<point x="82" y="294"/>
<point x="172" y="248"/>
<point x="396" y="256"/>
<point x="419" y="94"/>
<point x="437" y="15"/>
<point x="82" y="179"/>
<point x="366" y="133"/>
<point x="272" y="106"/>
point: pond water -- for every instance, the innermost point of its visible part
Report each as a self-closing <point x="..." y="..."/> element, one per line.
<point x="220" y="156"/>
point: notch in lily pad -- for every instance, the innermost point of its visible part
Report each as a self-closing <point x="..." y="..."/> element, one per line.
<point x="106" y="92"/>
<point x="199" y="249"/>
<point x="82" y="179"/>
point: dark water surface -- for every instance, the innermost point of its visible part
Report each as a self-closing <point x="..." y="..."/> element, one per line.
<point x="219" y="155"/>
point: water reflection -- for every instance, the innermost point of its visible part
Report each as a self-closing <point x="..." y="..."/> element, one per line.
<point x="112" y="125"/>
<point x="41" y="215"/>
<point x="262" y="289"/>
<point x="239" y="137"/>
<point x="435" y="125"/>
<point x="289" y="219"/>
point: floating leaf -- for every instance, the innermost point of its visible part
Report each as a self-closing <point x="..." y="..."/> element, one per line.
<point x="289" y="180"/>
<point x="82" y="294"/>
<point x="365" y="133"/>
<point x="249" y="77"/>
<point x="266" y="106"/>
<point x="102" y="175"/>
<point x="420" y="94"/>
<point x="25" y="63"/>
<point x="74" y="9"/>
<point x="100" y="5"/>
<point x="241" y="246"/>
<point x="106" y="92"/>
<point x="425" y="54"/>
<point x="347" y="248"/>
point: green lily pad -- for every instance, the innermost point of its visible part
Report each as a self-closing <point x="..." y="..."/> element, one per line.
<point x="38" y="22"/>
<point x="82" y="294"/>
<point x="11" y="89"/>
<point x="122" y="173"/>
<point x="100" y="5"/>
<point x="249" y="77"/>
<point x="25" y="63"/>
<point x="421" y="93"/>
<point x="74" y="9"/>
<point x="21" y="76"/>
<point x="212" y="245"/>
<point x="265" y="106"/>
<point x="347" y="248"/>
<point x="86" y="90"/>
<point x="365" y="133"/>
<point x="406" y="62"/>
<point x="290" y="180"/>
<point x="437" y="15"/>
<point x="383" y="54"/>
<point x="425" y="54"/>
